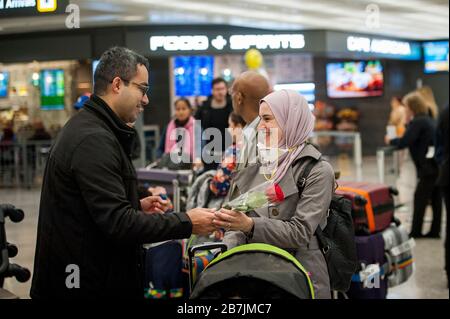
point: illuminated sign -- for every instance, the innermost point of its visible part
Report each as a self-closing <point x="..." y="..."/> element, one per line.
<point x="20" y="8"/>
<point x="385" y="47"/>
<point x="47" y="5"/>
<point x="233" y="42"/>
<point x="367" y="45"/>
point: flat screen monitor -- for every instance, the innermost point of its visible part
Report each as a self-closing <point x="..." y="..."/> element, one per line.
<point x="4" y="83"/>
<point x="355" y="79"/>
<point x="193" y="75"/>
<point x="436" y="56"/>
<point x="52" y="89"/>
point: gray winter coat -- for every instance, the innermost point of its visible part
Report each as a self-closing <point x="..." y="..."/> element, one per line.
<point x="291" y="224"/>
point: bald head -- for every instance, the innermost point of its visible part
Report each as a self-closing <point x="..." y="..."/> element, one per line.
<point x="247" y="91"/>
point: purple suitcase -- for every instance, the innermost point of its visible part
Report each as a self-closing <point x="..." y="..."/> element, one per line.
<point x="370" y="252"/>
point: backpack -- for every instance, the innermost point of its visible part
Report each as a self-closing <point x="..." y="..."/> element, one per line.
<point x="336" y="241"/>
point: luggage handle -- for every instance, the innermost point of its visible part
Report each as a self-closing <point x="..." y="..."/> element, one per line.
<point x="191" y="254"/>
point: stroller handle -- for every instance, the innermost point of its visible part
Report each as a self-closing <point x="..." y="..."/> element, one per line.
<point x="202" y="247"/>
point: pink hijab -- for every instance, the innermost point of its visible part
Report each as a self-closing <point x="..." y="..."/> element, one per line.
<point x="293" y="115"/>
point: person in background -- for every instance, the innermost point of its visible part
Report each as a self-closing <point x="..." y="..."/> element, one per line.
<point x="42" y="139"/>
<point x="246" y="93"/>
<point x="419" y="138"/>
<point x="220" y="184"/>
<point x="214" y="113"/>
<point x="7" y="141"/>
<point x="80" y="101"/>
<point x="183" y="119"/>
<point x="40" y="132"/>
<point x="442" y="157"/>
<point x="427" y="94"/>
<point x="397" y="117"/>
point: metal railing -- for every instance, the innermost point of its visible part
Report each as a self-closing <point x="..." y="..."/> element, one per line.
<point x="383" y="153"/>
<point x="21" y="164"/>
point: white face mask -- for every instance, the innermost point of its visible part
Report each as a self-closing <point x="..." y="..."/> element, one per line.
<point x="269" y="155"/>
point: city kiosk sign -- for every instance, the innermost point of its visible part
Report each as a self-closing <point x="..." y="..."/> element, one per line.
<point x="234" y="42"/>
<point x="23" y="8"/>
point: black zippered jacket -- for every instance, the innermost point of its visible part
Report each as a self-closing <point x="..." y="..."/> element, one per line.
<point x="90" y="218"/>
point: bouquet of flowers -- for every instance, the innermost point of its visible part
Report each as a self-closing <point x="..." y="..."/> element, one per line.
<point x="260" y="196"/>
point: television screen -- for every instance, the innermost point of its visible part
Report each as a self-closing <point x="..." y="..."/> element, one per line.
<point x="355" y="79"/>
<point x="52" y="89"/>
<point x="4" y="82"/>
<point x="193" y="75"/>
<point x="436" y="56"/>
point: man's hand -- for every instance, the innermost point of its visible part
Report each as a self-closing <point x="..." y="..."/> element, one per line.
<point x="231" y="220"/>
<point x="155" y="204"/>
<point x="158" y="190"/>
<point x="202" y="221"/>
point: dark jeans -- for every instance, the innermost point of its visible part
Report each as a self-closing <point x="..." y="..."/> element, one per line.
<point x="427" y="192"/>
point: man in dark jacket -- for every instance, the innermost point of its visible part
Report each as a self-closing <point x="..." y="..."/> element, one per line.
<point x="214" y="114"/>
<point x="91" y="221"/>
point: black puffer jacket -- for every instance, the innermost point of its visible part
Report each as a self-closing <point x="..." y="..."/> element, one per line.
<point x="89" y="212"/>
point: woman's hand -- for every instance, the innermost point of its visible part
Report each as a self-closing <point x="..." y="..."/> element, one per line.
<point x="154" y="205"/>
<point x="231" y="220"/>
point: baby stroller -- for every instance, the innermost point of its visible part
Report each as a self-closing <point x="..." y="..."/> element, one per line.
<point x="8" y="251"/>
<point x="249" y="272"/>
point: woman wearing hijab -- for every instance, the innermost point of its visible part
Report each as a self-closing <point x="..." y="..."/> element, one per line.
<point x="286" y="124"/>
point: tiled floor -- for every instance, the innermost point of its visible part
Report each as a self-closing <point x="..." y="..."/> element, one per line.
<point x="429" y="279"/>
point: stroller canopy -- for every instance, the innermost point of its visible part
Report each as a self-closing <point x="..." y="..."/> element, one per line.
<point x="254" y="271"/>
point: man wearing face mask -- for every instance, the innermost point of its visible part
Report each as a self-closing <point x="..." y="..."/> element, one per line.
<point x="246" y="93"/>
<point x="91" y="221"/>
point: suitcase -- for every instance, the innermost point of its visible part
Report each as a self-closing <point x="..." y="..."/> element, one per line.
<point x="163" y="271"/>
<point x="373" y="205"/>
<point x="398" y="248"/>
<point x="370" y="282"/>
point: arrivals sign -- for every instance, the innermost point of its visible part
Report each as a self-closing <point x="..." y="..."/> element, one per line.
<point x="24" y="8"/>
<point x="220" y="43"/>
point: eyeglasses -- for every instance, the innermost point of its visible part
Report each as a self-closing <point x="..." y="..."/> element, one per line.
<point x="143" y="88"/>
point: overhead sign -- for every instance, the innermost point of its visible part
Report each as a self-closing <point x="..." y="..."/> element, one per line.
<point x="235" y="42"/>
<point x="23" y="8"/>
<point x="388" y="48"/>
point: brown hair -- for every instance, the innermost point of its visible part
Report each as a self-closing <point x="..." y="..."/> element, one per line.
<point x="427" y="94"/>
<point x="237" y="120"/>
<point x="416" y="103"/>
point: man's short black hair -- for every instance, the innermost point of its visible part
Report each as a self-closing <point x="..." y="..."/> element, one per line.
<point x="217" y="81"/>
<point x="116" y="62"/>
